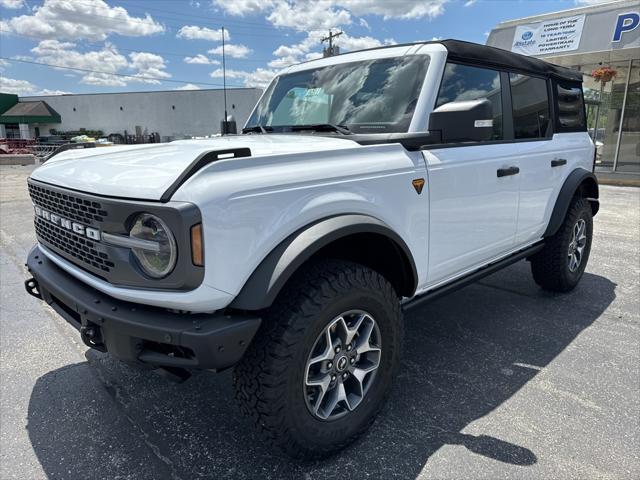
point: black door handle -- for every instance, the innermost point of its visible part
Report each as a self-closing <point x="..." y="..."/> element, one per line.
<point x="558" y="162"/>
<point x="505" y="172"/>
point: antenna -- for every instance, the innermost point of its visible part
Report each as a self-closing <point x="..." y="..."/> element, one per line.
<point x="224" y="87"/>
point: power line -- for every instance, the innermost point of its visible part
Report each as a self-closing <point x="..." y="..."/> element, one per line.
<point x="139" y="77"/>
<point x="144" y="50"/>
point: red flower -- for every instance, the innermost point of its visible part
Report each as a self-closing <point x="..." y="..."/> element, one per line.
<point x="604" y="74"/>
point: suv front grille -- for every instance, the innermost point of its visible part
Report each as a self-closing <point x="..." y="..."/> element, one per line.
<point x="78" y="247"/>
<point x="69" y="206"/>
<point x="61" y="214"/>
<point x="82" y="250"/>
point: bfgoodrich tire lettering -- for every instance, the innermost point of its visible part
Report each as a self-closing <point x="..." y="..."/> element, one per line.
<point x="270" y="379"/>
<point x="559" y="266"/>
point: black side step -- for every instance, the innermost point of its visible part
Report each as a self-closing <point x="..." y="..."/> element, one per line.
<point x="472" y="277"/>
<point x="198" y="163"/>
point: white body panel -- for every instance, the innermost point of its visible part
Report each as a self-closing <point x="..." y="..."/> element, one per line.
<point x="473" y="212"/>
<point x="117" y="171"/>
<point x="540" y="183"/>
<point x="465" y="217"/>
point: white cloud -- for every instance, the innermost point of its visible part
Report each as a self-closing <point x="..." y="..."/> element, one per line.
<point x="24" y="87"/>
<point x="258" y="78"/>
<point x="105" y="62"/>
<point x="304" y="16"/>
<point x="201" y="59"/>
<point x="16" y="87"/>
<point x="244" y="7"/>
<point x="148" y="65"/>
<point x="235" y="51"/>
<point x="4" y="64"/>
<point x="365" y="24"/>
<point x="13" y="4"/>
<point x="219" y="73"/>
<point x="193" y="32"/>
<point x="469" y="3"/>
<point x="311" y="47"/>
<point x="76" y="19"/>
<point x="46" y="91"/>
<point x="188" y="86"/>
<point x="328" y="11"/>
<point x="407" y="9"/>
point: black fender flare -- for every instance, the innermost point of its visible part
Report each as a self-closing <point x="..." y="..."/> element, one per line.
<point x="264" y="284"/>
<point x="578" y="179"/>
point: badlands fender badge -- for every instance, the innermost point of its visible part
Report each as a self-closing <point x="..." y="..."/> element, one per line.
<point x="418" y="184"/>
<point x="77" y="228"/>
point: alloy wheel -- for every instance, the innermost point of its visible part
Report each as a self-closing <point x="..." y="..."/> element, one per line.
<point x="342" y="365"/>
<point x="577" y="245"/>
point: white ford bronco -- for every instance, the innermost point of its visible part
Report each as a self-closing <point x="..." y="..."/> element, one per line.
<point x="362" y="185"/>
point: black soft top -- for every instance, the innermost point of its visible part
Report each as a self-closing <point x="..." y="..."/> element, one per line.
<point x="492" y="56"/>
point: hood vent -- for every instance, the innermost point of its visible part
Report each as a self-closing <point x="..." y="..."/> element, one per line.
<point x="199" y="163"/>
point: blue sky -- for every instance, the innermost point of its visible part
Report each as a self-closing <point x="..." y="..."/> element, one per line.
<point x="135" y="45"/>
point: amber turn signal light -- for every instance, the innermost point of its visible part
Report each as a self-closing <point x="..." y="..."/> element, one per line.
<point x="197" y="251"/>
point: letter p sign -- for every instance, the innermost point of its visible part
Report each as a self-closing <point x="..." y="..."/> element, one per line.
<point x="626" y="22"/>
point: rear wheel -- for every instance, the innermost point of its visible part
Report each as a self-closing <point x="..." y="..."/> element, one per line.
<point x="321" y="366"/>
<point x="559" y="266"/>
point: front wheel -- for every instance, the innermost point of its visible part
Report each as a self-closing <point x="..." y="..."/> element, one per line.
<point x="321" y="366"/>
<point x="559" y="266"/>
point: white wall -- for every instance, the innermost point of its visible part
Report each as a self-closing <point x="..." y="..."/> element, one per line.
<point x="173" y="113"/>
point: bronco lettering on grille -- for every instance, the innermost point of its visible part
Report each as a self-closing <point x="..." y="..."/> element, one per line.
<point x="77" y="228"/>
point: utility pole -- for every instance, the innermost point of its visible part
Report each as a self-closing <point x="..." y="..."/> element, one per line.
<point x="331" y="50"/>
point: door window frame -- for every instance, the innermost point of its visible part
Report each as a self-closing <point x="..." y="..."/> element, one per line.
<point x="507" y="108"/>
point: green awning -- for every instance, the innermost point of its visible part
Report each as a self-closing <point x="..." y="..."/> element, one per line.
<point x="30" y="112"/>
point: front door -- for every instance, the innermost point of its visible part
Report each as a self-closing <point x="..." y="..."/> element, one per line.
<point x="474" y="211"/>
<point x="473" y="187"/>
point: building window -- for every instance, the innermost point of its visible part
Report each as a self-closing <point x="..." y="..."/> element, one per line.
<point x="530" y="100"/>
<point x="13" y="130"/>
<point x="570" y="108"/>
<point x="462" y="83"/>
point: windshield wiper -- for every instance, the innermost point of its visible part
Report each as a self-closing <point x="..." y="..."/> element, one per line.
<point x="323" y="127"/>
<point x="257" y="129"/>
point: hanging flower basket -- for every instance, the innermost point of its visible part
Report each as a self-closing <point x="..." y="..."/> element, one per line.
<point x="604" y="74"/>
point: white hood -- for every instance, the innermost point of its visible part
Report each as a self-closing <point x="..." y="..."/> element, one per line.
<point x="147" y="171"/>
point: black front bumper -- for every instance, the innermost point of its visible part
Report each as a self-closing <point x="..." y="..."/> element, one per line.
<point x="142" y="333"/>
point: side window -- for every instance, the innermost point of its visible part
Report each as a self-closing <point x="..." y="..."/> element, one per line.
<point x="461" y="83"/>
<point x="570" y="108"/>
<point x="530" y="100"/>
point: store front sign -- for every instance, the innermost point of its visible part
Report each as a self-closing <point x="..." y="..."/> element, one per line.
<point x="552" y="36"/>
<point x="626" y="22"/>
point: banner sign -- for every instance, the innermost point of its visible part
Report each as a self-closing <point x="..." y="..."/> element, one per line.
<point x="552" y="36"/>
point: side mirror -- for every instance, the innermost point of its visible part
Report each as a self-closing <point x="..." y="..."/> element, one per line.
<point x="464" y="121"/>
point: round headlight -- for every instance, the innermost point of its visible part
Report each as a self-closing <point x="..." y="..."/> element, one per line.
<point x="158" y="257"/>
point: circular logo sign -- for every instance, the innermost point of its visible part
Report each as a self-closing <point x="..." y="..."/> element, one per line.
<point x="527" y="35"/>
<point x="342" y="364"/>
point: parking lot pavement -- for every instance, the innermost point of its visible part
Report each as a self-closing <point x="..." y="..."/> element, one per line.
<point x="499" y="380"/>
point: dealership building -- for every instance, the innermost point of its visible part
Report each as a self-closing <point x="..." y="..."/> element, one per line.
<point x="590" y="39"/>
<point x="172" y="114"/>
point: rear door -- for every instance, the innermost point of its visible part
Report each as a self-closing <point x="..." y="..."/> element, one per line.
<point x="473" y="187"/>
<point x="542" y="160"/>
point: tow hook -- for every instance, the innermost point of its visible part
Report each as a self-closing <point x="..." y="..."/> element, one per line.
<point x="92" y="337"/>
<point x="31" y="285"/>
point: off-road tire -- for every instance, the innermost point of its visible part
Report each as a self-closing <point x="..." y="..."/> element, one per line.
<point x="269" y="381"/>
<point x="550" y="266"/>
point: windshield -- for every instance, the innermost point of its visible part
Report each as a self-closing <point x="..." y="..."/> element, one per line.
<point x="372" y="96"/>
